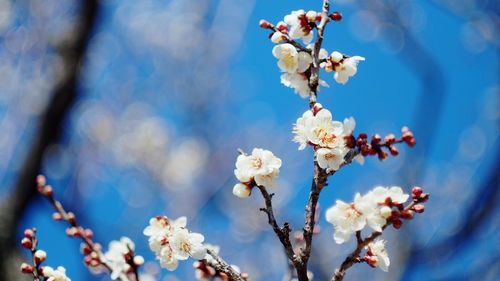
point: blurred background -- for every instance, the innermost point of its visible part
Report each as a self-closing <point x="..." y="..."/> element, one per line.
<point x="136" y="108"/>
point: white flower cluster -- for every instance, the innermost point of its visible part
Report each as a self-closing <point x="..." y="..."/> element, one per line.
<point x="372" y="209"/>
<point x="58" y="274"/>
<point x="261" y="166"/>
<point x="293" y="63"/>
<point x="171" y="241"/>
<point x="115" y="256"/>
<point x="316" y="127"/>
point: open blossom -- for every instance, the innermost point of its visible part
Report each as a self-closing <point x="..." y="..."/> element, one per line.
<point x="290" y="60"/>
<point x="326" y="135"/>
<point x="371" y="209"/>
<point x="171" y="241"/>
<point x="261" y="166"/>
<point x="344" y="67"/>
<point x="299" y="25"/>
<point x="377" y="256"/>
<point x="298" y="82"/>
<point x="58" y="274"/>
<point x="116" y="256"/>
<point x="347" y="218"/>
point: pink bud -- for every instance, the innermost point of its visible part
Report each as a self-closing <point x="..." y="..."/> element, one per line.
<point x="29" y="233"/>
<point x="416" y="191"/>
<point x="264" y="24"/>
<point x="57" y="216"/>
<point x="26" y="268"/>
<point x="40" y="180"/>
<point x="26" y="243"/>
<point x="419" y="208"/>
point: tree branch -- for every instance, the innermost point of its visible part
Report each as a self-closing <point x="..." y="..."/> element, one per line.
<point x="222" y="266"/>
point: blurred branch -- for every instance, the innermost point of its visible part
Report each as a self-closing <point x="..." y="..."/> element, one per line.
<point x="12" y="208"/>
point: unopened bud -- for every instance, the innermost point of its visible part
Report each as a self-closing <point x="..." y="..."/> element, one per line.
<point x="416" y="191"/>
<point x="29" y="233"/>
<point x="397" y="223"/>
<point x="394" y="151"/>
<point x="418" y="208"/>
<point x="26" y="268"/>
<point x="48" y="191"/>
<point x="376" y="139"/>
<point x="40" y="256"/>
<point x="40" y="180"/>
<point x="264" y="24"/>
<point x="26" y="243"/>
<point x="71" y="218"/>
<point x="385" y="212"/>
<point x="138" y="260"/>
<point x="57" y="216"/>
<point x="336" y="16"/>
<point x="407" y="215"/>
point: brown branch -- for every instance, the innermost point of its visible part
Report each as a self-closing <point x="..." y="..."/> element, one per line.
<point x="282" y="233"/>
<point x="48" y="131"/>
<point x="222" y="266"/>
<point x="314" y="78"/>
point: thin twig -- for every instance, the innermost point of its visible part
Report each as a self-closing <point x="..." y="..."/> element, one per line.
<point x="222" y="266"/>
<point x="314" y="78"/>
<point x="282" y="233"/>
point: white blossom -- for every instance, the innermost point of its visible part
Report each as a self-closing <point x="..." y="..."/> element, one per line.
<point x="346" y="218"/>
<point x="298" y="82"/>
<point x="377" y="255"/>
<point x="187" y="244"/>
<point x="319" y="130"/>
<point x="116" y="256"/>
<point x="171" y="241"/>
<point x="261" y="166"/>
<point x="288" y="57"/>
<point x="331" y="159"/>
<point x="346" y="68"/>
<point x="58" y="274"/>
<point x="299" y="26"/>
<point x="379" y="194"/>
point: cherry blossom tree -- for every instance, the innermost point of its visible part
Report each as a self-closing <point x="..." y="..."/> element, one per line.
<point x="301" y="58"/>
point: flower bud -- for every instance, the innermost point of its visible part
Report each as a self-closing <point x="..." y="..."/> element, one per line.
<point x="48" y="191"/>
<point x="336" y="16"/>
<point x="264" y="24"/>
<point x="407" y="215"/>
<point x="57" y="216"/>
<point x="138" y="260"/>
<point x="277" y="37"/>
<point x="26" y="243"/>
<point x="40" y="256"/>
<point x="311" y="16"/>
<point x="26" y="268"/>
<point x="40" y="180"/>
<point x="336" y="57"/>
<point x="385" y="212"/>
<point x="418" y="208"/>
<point x="29" y="233"/>
<point x="242" y="190"/>
<point x="416" y="191"/>
<point x="397" y="223"/>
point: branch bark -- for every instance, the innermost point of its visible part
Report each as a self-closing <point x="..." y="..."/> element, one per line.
<point x="222" y="266"/>
<point x="65" y="92"/>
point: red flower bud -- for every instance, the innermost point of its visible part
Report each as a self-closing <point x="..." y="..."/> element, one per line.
<point x="397" y="223"/>
<point x="26" y="268"/>
<point x="26" y="243"/>
<point x="336" y="16"/>
<point x="416" y="191"/>
<point x="264" y="24"/>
